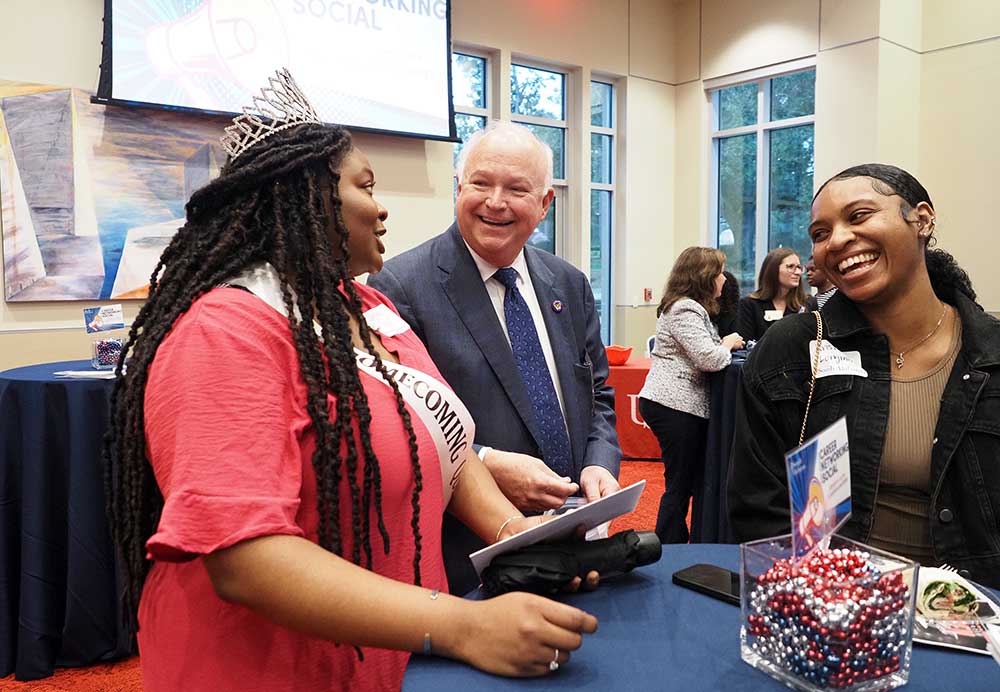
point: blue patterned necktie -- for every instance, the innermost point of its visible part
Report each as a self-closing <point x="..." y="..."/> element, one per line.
<point x="535" y="373"/>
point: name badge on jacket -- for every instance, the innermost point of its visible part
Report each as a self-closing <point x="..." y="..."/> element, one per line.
<point x="773" y="315"/>
<point x="833" y="361"/>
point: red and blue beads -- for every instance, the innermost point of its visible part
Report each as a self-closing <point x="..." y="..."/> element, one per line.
<point x="834" y="620"/>
<point x="106" y="353"/>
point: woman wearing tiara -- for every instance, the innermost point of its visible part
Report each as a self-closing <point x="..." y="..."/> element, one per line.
<point x="278" y="452"/>
<point x="915" y="368"/>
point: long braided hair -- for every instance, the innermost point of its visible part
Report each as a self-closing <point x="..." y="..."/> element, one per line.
<point x="267" y="205"/>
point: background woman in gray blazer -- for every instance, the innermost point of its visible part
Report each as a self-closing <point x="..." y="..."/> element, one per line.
<point x="674" y="399"/>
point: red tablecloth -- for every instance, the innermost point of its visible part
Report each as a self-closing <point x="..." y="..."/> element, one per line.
<point x="637" y="440"/>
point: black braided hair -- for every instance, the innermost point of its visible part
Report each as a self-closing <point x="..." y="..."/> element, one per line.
<point x="947" y="277"/>
<point x="267" y="205"/>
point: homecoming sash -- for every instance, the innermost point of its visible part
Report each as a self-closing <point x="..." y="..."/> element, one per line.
<point x="442" y="413"/>
<point x="440" y="410"/>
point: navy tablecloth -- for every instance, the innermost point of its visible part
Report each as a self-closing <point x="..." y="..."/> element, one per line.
<point x="709" y="513"/>
<point x="58" y="604"/>
<point x="654" y="635"/>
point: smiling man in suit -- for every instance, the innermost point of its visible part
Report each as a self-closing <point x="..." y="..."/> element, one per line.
<point x="515" y="332"/>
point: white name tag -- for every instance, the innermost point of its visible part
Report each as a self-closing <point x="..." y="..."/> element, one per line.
<point x="833" y="361"/>
<point x="385" y="321"/>
<point x="773" y="315"/>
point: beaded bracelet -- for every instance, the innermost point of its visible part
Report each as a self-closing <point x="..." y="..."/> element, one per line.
<point x="427" y="635"/>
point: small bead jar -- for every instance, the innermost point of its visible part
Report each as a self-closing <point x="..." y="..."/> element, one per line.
<point x="106" y="353"/>
<point x="839" y="619"/>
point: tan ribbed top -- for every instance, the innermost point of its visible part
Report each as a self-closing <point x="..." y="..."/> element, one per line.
<point x="902" y="505"/>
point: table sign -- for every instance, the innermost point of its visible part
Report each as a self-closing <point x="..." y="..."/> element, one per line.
<point x="819" y="487"/>
<point x="103" y="318"/>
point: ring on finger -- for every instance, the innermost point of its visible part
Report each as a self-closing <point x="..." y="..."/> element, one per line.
<point x="554" y="663"/>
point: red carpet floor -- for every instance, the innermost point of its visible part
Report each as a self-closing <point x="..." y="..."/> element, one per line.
<point x="123" y="676"/>
<point x="644" y="516"/>
<point x="126" y="676"/>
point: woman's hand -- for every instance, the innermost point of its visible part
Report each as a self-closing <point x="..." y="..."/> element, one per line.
<point x="733" y="341"/>
<point x="518" y="634"/>
<point x="519" y="524"/>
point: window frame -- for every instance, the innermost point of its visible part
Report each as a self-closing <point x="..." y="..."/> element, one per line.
<point x="489" y="77"/>
<point x="608" y="244"/>
<point x="560" y="186"/>
<point x="762" y="129"/>
<point x="485" y="111"/>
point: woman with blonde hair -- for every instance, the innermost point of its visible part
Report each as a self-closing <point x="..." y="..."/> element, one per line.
<point x="779" y="293"/>
<point x="674" y="398"/>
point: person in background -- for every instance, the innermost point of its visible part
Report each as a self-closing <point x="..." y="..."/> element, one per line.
<point x="818" y="279"/>
<point x="729" y="302"/>
<point x="292" y="517"/>
<point x="779" y="293"/>
<point x="674" y="399"/>
<point x="922" y="401"/>
<point x="515" y="332"/>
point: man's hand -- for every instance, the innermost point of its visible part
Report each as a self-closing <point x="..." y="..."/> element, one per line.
<point x="528" y="482"/>
<point x="597" y="482"/>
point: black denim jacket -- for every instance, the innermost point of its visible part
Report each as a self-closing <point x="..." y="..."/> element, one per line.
<point x="965" y="461"/>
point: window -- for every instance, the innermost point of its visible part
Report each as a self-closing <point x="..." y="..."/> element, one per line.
<point x="469" y="89"/>
<point x="538" y="101"/>
<point x="602" y="190"/>
<point x="762" y="147"/>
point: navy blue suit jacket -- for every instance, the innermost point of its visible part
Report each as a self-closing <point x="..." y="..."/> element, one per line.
<point x="438" y="290"/>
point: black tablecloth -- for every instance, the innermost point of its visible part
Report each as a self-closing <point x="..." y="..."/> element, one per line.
<point x="58" y="602"/>
<point x="709" y="513"/>
<point x="654" y="635"/>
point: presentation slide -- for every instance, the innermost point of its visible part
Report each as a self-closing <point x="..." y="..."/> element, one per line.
<point x="380" y="64"/>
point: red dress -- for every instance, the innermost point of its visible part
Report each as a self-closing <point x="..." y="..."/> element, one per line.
<point x="231" y="445"/>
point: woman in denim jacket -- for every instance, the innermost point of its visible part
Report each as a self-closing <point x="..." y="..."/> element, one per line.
<point x="922" y="399"/>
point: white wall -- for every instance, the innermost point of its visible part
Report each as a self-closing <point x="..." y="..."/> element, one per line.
<point x="644" y="246"/>
<point x="960" y="155"/>
<point x="737" y="35"/>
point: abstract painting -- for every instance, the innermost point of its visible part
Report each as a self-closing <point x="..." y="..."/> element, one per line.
<point x="90" y="194"/>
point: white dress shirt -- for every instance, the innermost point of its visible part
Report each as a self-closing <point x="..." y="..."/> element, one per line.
<point x="496" y="292"/>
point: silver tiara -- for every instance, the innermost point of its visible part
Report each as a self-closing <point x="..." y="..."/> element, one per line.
<point x="280" y="105"/>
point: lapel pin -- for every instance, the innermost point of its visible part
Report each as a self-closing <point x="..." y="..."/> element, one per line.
<point x="557" y="306"/>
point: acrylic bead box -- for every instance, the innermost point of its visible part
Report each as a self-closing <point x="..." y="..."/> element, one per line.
<point x="105" y="353"/>
<point x="840" y="620"/>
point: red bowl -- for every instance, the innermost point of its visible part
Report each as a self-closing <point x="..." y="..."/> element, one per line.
<point x="618" y="355"/>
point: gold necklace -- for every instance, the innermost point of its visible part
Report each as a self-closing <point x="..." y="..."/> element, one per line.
<point x="899" y="356"/>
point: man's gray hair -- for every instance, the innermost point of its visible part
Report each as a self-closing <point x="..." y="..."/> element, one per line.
<point x="508" y="131"/>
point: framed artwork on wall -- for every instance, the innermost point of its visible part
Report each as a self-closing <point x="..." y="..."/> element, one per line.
<point x="90" y="195"/>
